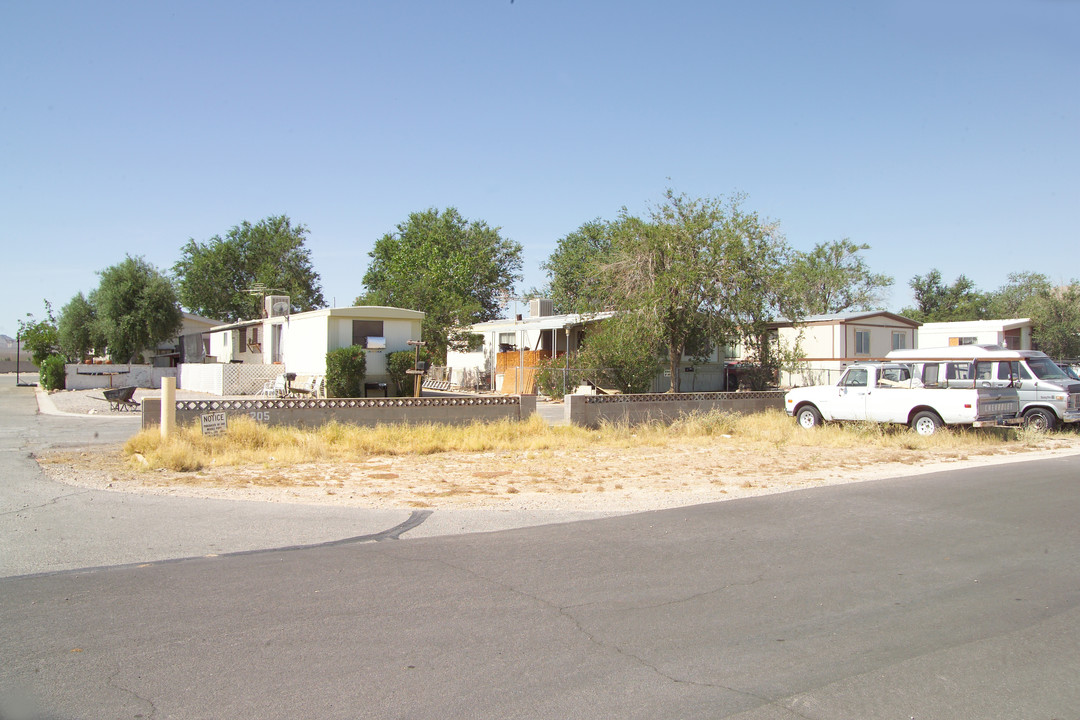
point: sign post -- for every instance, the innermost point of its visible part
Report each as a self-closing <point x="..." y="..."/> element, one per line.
<point x="417" y="372"/>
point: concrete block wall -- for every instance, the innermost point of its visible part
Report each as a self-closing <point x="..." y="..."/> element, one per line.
<point x="89" y="377"/>
<point x="592" y="410"/>
<point x="367" y="412"/>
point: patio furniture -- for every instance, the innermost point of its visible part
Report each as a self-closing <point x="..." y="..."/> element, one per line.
<point x="278" y="388"/>
<point x="121" y="398"/>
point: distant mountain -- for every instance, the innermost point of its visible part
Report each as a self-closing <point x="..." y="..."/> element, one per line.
<point x="7" y="343"/>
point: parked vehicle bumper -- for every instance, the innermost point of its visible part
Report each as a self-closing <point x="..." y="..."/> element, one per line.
<point x="999" y="422"/>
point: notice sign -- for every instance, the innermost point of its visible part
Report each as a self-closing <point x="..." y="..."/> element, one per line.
<point x="214" y="423"/>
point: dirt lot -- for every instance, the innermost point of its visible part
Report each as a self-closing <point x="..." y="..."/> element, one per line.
<point x="601" y="479"/>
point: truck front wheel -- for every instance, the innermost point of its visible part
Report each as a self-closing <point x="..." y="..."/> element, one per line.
<point x="926" y="423"/>
<point x="808" y="416"/>
<point x="1040" y="420"/>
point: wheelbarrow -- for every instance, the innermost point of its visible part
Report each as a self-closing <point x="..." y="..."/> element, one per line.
<point x="121" y="398"/>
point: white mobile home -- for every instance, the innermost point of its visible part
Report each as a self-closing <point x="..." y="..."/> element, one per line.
<point x="298" y="342"/>
<point x="1014" y="334"/>
<point x="829" y="343"/>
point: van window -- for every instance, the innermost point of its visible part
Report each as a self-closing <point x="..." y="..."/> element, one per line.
<point x="1005" y="368"/>
<point x="930" y="374"/>
<point x="958" y="371"/>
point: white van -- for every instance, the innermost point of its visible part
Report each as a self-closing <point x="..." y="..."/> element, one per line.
<point x="1047" y="394"/>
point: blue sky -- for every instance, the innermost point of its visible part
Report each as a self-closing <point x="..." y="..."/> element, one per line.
<point x="944" y="134"/>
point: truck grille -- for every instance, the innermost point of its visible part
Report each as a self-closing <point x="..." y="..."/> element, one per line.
<point x="1074" y="401"/>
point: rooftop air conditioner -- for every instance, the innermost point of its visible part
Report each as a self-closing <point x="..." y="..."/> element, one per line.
<point x="541" y="307"/>
<point x="277" y="305"/>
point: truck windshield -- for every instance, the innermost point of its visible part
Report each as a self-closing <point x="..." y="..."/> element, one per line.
<point x="1046" y="369"/>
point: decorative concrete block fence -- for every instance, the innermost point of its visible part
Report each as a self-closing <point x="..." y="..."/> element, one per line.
<point x="592" y="410"/>
<point x="358" y="411"/>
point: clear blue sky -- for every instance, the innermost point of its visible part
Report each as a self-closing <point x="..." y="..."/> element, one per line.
<point x="944" y="134"/>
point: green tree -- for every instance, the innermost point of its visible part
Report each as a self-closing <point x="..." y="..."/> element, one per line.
<point x="937" y="302"/>
<point x="575" y="270"/>
<point x="753" y="289"/>
<point x="663" y="269"/>
<point x="1055" y="320"/>
<point x="446" y="266"/>
<point x="40" y="337"/>
<point x="136" y="308"/>
<point x="216" y="278"/>
<point x="624" y="348"/>
<point x="78" y="329"/>
<point x="833" y="277"/>
<point x="1018" y="296"/>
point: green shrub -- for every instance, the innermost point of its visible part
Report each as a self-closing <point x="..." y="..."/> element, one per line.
<point x="52" y="372"/>
<point x="345" y="369"/>
<point x="396" y="365"/>
<point x="551" y="377"/>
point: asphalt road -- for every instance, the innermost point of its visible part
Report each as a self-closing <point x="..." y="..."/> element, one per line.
<point x="952" y="595"/>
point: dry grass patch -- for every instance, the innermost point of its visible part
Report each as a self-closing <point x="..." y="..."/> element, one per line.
<point x="694" y="459"/>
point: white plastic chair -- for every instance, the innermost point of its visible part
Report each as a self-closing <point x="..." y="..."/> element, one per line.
<point x="276" y="388"/>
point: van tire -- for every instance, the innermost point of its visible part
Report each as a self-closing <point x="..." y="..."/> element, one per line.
<point x="1040" y="420"/>
<point x="808" y="417"/>
<point x="926" y="423"/>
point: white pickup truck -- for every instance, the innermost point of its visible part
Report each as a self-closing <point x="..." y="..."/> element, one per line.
<point x="887" y="392"/>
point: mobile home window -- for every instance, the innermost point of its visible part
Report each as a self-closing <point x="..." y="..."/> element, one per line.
<point x="506" y="342"/>
<point x="899" y="341"/>
<point x="862" y="342"/>
<point x="963" y="341"/>
<point x="363" y="329"/>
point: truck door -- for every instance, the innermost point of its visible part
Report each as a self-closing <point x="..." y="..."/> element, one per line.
<point x="852" y="394"/>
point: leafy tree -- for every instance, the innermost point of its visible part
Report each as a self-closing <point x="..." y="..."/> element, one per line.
<point x="1055" y="319"/>
<point x="345" y="370"/>
<point x="624" y="348"/>
<point x="833" y="278"/>
<point x="1017" y="297"/>
<point x="136" y="308"/>
<point x="575" y="269"/>
<point x="39" y="336"/>
<point x="753" y="282"/>
<point x="215" y="278"/>
<point x="937" y="302"/>
<point x="446" y="266"/>
<point x="662" y="269"/>
<point x="78" y="329"/>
